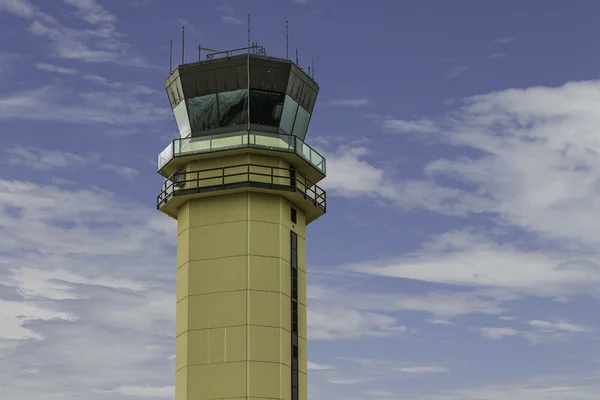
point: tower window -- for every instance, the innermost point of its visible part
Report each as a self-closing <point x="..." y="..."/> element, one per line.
<point x="293" y="211"/>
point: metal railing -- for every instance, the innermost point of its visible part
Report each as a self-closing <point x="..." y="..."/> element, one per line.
<point x="235" y="140"/>
<point x="264" y="176"/>
<point x="254" y="49"/>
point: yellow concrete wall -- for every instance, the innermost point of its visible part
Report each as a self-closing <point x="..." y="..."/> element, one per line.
<point x="233" y="286"/>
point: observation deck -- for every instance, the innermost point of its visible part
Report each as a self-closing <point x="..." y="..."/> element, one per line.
<point x="230" y="112"/>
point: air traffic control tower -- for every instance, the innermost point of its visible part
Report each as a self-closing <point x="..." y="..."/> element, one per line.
<point x="241" y="183"/>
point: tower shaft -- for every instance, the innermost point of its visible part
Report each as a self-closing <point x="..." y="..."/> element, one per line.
<point x="235" y="269"/>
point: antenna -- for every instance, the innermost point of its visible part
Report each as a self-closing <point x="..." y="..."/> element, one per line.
<point x="312" y="59"/>
<point x="183" y="44"/>
<point x="287" y="31"/>
<point x="170" y="56"/>
<point x="248" y="33"/>
<point x="309" y="70"/>
<point x="296" y="56"/>
<point x="199" y="52"/>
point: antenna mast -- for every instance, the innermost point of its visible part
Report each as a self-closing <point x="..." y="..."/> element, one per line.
<point x="183" y="44"/>
<point x="248" y="33"/>
<point x="287" y="30"/>
<point x="170" y="56"/>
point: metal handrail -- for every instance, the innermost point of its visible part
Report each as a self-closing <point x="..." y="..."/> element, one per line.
<point x="297" y="182"/>
<point x="294" y="147"/>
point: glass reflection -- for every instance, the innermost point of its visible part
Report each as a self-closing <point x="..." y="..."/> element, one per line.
<point x="233" y="107"/>
<point x="266" y="107"/>
<point x="301" y="124"/>
<point x="289" y="114"/>
<point x="203" y="112"/>
<point x="181" y="118"/>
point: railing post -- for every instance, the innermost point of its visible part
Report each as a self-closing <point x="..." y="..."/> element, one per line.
<point x="222" y="178"/>
<point x="272" y="172"/>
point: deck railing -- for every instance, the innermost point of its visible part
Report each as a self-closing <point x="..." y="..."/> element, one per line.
<point x="235" y="140"/>
<point x="264" y="176"/>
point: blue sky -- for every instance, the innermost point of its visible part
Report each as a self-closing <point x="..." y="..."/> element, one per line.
<point x="458" y="259"/>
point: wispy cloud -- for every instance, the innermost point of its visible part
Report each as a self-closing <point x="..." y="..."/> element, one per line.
<point x="42" y="159"/>
<point x="123" y="171"/>
<point x="56" y="69"/>
<point x="319" y="367"/>
<point x="497" y="56"/>
<point x="437" y="321"/>
<point x="550" y="326"/>
<point x="356" y="102"/>
<point x="456" y="71"/>
<point x="141" y="391"/>
<point x="581" y="387"/>
<point x="496" y="333"/>
<point x="100" y="41"/>
<point x="403" y="126"/>
<point x="189" y="27"/>
<point x="121" y="105"/>
<point x="422" y="370"/>
<point x="228" y="19"/>
<point x="504" y="40"/>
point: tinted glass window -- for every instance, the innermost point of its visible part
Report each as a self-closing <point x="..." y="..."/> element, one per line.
<point x="181" y="117"/>
<point x="301" y="124"/>
<point x="288" y="115"/>
<point x="233" y="107"/>
<point x="266" y="107"/>
<point x="203" y="112"/>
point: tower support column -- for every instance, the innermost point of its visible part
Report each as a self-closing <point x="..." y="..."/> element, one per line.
<point x="234" y="297"/>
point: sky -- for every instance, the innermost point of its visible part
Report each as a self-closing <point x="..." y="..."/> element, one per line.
<point x="459" y="256"/>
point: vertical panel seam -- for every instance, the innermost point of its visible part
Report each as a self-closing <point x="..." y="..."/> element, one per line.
<point x="248" y="289"/>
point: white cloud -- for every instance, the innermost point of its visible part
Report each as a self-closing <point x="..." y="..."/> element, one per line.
<point x="14" y="315"/>
<point x="123" y="171"/>
<point x="56" y="69"/>
<point x="344" y="323"/>
<point x="59" y="103"/>
<point x="100" y="41"/>
<point x="469" y="259"/>
<point x="318" y="367"/>
<point x="228" y="19"/>
<point x="496" y="333"/>
<point x="437" y="321"/>
<point x="537" y="166"/>
<point x="400" y="126"/>
<point x="84" y="277"/>
<point x="36" y="158"/>
<point x="558" y="326"/>
<point x="349" y="174"/>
